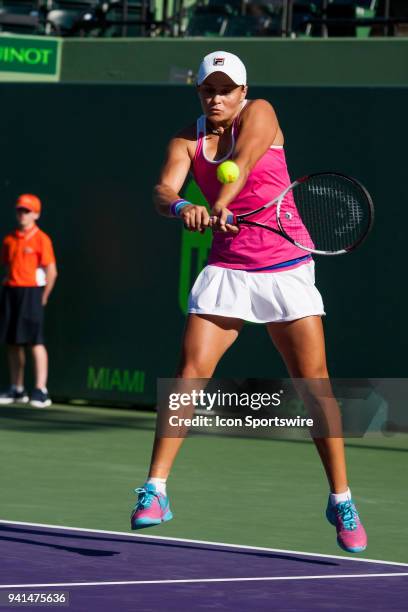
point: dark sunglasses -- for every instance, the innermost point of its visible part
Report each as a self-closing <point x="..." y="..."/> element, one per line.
<point x="23" y="211"/>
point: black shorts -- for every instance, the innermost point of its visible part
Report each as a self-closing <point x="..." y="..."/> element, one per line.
<point x="21" y="315"/>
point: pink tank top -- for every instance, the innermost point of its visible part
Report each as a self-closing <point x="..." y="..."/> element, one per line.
<point x="253" y="249"/>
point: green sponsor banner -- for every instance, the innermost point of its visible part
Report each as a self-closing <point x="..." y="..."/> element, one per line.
<point x="37" y="55"/>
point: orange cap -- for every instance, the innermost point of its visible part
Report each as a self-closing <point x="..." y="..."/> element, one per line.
<point x="29" y="201"/>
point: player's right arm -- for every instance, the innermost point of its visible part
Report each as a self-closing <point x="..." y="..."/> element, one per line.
<point x="4" y="260"/>
<point x="172" y="177"/>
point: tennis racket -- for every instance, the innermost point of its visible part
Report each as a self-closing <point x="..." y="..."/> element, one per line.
<point x="326" y="213"/>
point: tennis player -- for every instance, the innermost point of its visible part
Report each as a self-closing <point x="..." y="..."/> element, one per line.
<point x="252" y="275"/>
<point x="31" y="272"/>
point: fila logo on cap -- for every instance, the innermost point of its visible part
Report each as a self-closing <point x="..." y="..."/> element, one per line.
<point x="222" y="61"/>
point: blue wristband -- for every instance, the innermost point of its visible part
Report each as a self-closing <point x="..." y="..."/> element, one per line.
<point x="177" y="206"/>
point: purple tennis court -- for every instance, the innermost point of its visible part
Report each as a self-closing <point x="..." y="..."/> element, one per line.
<point x="112" y="570"/>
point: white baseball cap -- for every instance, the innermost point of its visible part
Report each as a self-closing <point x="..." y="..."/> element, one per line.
<point x="222" y="61"/>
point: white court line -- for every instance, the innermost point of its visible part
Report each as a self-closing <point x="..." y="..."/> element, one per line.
<point x="169" y="539"/>
<point x="198" y="580"/>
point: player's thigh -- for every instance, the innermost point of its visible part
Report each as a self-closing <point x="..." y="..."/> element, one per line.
<point x="301" y="344"/>
<point x="205" y="340"/>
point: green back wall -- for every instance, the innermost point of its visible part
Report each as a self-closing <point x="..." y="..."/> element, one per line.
<point x="114" y="322"/>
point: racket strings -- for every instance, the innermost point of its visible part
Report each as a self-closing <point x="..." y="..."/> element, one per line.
<point x="331" y="213"/>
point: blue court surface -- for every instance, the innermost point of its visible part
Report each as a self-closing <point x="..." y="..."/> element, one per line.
<point x="114" y="571"/>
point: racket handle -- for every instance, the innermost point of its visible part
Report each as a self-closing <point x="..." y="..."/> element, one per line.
<point x="231" y="220"/>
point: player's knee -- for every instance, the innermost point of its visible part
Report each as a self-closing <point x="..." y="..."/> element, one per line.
<point x="316" y="372"/>
<point x="194" y="370"/>
<point x="311" y="371"/>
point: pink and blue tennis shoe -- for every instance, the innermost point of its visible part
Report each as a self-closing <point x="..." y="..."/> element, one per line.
<point x="351" y="535"/>
<point x="152" y="508"/>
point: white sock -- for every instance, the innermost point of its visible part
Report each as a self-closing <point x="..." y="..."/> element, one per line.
<point x="159" y="483"/>
<point x="44" y="390"/>
<point x="17" y="388"/>
<point x="336" y="498"/>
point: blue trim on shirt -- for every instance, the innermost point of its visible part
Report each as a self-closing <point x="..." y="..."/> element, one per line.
<point x="283" y="264"/>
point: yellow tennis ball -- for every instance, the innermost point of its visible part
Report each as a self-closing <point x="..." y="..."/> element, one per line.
<point x="227" y="172"/>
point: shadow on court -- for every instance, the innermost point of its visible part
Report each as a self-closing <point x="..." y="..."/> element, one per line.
<point x="169" y="544"/>
<point x="57" y="419"/>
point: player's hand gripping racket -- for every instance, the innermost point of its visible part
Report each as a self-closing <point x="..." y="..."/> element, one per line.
<point x="325" y="213"/>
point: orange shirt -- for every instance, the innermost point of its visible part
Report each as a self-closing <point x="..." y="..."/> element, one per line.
<point x="26" y="254"/>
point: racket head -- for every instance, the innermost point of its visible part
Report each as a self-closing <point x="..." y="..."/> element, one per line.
<point x="326" y="213"/>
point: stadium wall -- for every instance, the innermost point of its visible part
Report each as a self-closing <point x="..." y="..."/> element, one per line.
<point x="114" y="322"/>
<point x="270" y="61"/>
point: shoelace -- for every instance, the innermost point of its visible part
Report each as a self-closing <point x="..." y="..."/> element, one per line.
<point x="347" y="514"/>
<point x="145" y="498"/>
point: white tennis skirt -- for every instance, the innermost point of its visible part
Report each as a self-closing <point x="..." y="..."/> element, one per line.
<point x="258" y="297"/>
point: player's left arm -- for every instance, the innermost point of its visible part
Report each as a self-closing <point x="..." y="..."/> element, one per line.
<point x="51" y="274"/>
<point x="258" y="129"/>
<point x="50" y="267"/>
